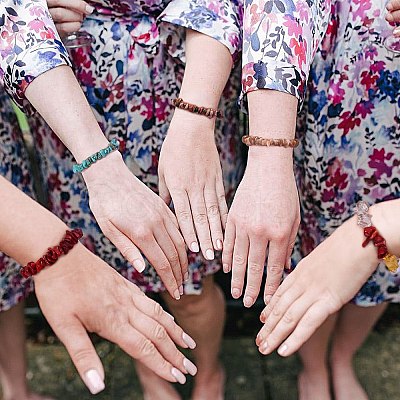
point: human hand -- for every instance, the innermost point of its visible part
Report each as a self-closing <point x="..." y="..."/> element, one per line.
<point x="264" y="213"/>
<point x="132" y="216"/>
<point x="83" y="294"/>
<point x="393" y="15"/>
<point x="68" y="14"/>
<point x="320" y="285"/>
<point x="190" y="174"/>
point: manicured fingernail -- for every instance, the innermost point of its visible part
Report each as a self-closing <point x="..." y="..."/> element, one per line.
<point x="170" y="315"/>
<point x="247" y="301"/>
<point x="267" y="299"/>
<point x="181" y="290"/>
<point x="235" y="293"/>
<point x="94" y="382"/>
<point x="177" y="294"/>
<point x="195" y="247"/>
<point x="178" y="376"/>
<point x="225" y="267"/>
<point x="389" y="6"/>
<point x="264" y="347"/>
<point x="219" y="244"/>
<point x="89" y="9"/>
<point x="189" y="341"/>
<point x="210" y="254"/>
<point x="190" y="367"/>
<point x="262" y="318"/>
<point x="282" y="350"/>
<point x="186" y="277"/>
<point x="389" y="17"/>
<point x="139" y="265"/>
<point x="396" y="32"/>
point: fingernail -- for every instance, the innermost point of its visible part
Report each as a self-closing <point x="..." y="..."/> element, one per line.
<point x="181" y="290"/>
<point x="186" y="277"/>
<point x="396" y="31"/>
<point x="210" y="254"/>
<point x="177" y="294"/>
<point x="282" y="350"/>
<point x="267" y="299"/>
<point x="195" y="247"/>
<point x="139" y="265"/>
<point x="225" y="267"/>
<point x="89" y="9"/>
<point x="389" y="17"/>
<point x="219" y="244"/>
<point x="247" y="301"/>
<point x="235" y="293"/>
<point x="262" y="318"/>
<point x="389" y="6"/>
<point x="189" y="341"/>
<point x="94" y="382"/>
<point x="190" y="367"/>
<point x="178" y="376"/>
<point x="170" y="315"/>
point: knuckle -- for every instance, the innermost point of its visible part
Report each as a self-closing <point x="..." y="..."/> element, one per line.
<point x="255" y="268"/>
<point x="238" y="260"/>
<point x="174" y="258"/>
<point x="146" y="349"/>
<point x="157" y="310"/>
<point x="258" y="230"/>
<point x="81" y="355"/>
<point x="184" y="215"/>
<point x="288" y="318"/>
<point x="142" y="233"/>
<point x="201" y="219"/>
<point x="163" y="266"/>
<point x="160" y="333"/>
<point x="213" y="210"/>
<point x="275" y="270"/>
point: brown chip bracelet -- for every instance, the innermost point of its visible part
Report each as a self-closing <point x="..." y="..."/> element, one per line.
<point x="249" y="140"/>
<point x="207" y="112"/>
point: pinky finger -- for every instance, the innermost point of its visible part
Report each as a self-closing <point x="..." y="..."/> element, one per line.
<point x="310" y="322"/>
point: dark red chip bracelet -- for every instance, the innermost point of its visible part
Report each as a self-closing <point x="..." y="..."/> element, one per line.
<point x="70" y="239"/>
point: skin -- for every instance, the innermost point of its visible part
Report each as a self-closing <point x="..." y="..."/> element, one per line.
<point x="100" y="301"/>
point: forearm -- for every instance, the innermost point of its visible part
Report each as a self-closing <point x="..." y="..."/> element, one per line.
<point x="26" y="228"/>
<point x="208" y="65"/>
<point x="58" y="98"/>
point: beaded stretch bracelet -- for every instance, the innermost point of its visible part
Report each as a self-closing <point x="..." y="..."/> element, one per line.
<point x="372" y="234"/>
<point x="70" y="239"/>
<point x="207" y="112"/>
<point x="112" y="146"/>
<point x="261" y="141"/>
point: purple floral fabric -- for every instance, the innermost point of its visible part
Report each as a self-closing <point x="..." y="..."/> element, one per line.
<point x="349" y="130"/>
<point x="29" y="45"/>
<point x="130" y="74"/>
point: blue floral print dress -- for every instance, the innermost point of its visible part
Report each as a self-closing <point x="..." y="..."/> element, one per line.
<point x="130" y="74"/>
<point x="349" y="125"/>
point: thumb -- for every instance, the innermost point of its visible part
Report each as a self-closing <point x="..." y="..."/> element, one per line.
<point x="83" y="354"/>
<point x="163" y="191"/>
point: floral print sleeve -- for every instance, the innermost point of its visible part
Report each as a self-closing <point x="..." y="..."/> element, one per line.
<point x="29" y="45"/>
<point x="219" y="19"/>
<point x="280" y="38"/>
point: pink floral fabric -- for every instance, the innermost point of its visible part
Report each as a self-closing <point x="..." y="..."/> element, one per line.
<point x="280" y="38"/>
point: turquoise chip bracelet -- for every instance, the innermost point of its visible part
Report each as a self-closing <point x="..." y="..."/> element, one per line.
<point x="112" y="146"/>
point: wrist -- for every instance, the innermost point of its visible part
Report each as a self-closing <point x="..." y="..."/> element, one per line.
<point x="271" y="157"/>
<point x="185" y="124"/>
<point x="110" y="166"/>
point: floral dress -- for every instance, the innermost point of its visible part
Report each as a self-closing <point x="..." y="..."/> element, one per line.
<point x="349" y="125"/>
<point x="130" y="74"/>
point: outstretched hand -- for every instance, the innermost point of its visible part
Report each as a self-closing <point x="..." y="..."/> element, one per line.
<point x="83" y="294"/>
